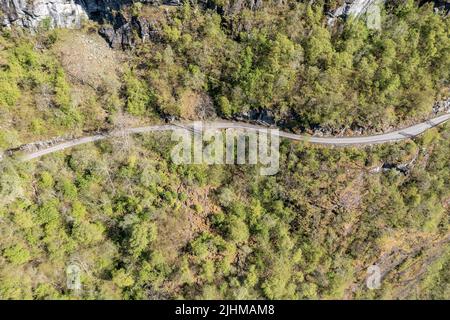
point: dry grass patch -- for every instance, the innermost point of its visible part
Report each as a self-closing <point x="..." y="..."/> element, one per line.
<point x="88" y="59"/>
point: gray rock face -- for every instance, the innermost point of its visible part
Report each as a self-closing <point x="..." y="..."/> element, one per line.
<point x="117" y="29"/>
<point x="358" y="8"/>
<point x="33" y="13"/>
<point x="59" y="13"/>
<point x="355" y="8"/>
<point x="122" y="32"/>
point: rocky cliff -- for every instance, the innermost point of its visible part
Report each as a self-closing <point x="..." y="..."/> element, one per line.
<point x="56" y="13"/>
<point x="359" y="8"/>
<point x="33" y="13"/>
<point x="118" y="29"/>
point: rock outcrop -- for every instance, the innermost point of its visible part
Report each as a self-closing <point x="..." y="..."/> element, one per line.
<point x="441" y="106"/>
<point x="358" y="8"/>
<point x="123" y="32"/>
<point x="118" y="29"/>
<point x="57" y="13"/>
<point x="354" y="8"/>
<point x="35" y="13"/>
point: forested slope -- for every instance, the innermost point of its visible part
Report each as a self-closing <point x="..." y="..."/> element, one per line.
<point x="141" y="227"/>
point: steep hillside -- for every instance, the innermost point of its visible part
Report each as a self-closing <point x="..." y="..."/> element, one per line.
<point x="138" y="226"/>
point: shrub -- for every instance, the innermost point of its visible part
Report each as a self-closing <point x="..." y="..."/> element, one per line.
<point x="17" y="254"/>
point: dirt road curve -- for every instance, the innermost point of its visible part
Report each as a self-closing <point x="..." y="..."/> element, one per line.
<point x="397" y="135"/>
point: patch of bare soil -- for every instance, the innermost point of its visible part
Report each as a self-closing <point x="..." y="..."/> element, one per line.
<point x="350" y="197"/>
<point x="89" y="60"/>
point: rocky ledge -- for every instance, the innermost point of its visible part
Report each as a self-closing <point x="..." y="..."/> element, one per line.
<point x="32" y="14"/>
<point x="116" y="28"/>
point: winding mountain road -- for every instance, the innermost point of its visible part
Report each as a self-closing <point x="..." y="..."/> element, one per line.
<point x="397" y="135"/>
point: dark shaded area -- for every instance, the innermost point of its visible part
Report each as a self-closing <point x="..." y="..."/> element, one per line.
<point x="260" y="116"/>
<point x="442" y="5"/>
<point x="102" y="11"/>
<point x="117" y="29"/>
